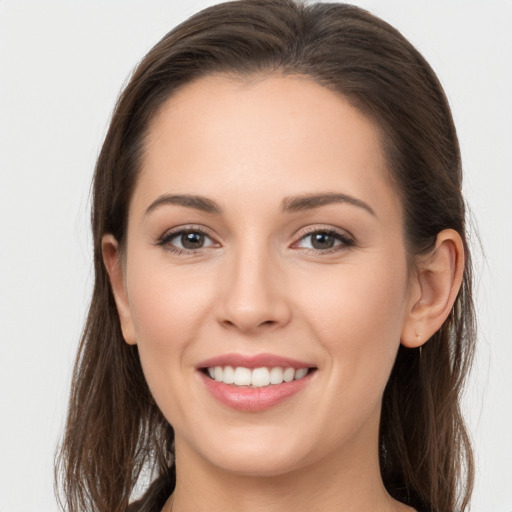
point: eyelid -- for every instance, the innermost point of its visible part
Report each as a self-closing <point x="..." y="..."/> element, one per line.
<point x="345" y="237"/>
<point x="176" y="231"/>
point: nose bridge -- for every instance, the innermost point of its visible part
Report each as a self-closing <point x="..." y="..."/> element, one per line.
<point x="253" y="293"/>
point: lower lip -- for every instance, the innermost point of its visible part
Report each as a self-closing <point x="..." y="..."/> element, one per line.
<point x="254" y="399"/>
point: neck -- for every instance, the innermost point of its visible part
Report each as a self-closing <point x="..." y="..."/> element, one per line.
<point x="353" y="486"/>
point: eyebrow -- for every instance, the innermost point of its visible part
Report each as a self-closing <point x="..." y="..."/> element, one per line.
<point x="288" y="205"/>
<point x="190" y="201"/>
<point x="311" y="201"/>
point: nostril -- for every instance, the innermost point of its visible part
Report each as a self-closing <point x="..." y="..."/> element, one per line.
<point x="248" y="326"/>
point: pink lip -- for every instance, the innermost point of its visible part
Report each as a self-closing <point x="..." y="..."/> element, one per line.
<point x="253" y="399"/>
<point x="253" y="361"/>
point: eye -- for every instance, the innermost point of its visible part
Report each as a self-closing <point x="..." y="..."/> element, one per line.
<point x="186" y="240"/>
<point x="324" y="240"/>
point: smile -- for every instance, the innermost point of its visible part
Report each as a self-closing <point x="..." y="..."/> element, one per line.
<point x="257" y="377"/>
<point x="254" y="383"/>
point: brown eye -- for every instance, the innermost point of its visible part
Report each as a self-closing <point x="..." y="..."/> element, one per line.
<point x="192" y="240"/>
<point x="186" y="240"/>
<point x="322" y="240"/>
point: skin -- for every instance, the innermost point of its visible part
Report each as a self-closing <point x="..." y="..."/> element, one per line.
<point x="259" y="286"/>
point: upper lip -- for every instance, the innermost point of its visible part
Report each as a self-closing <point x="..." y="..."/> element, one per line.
<point x="253" y="361"/>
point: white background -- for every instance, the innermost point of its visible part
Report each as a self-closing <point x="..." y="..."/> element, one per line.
<point x="61" y="67"/>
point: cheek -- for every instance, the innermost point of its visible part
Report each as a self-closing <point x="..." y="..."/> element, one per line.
<point x="169" y="308"/>
<point x="166" y="301"/>
<point x="357" y="313"/>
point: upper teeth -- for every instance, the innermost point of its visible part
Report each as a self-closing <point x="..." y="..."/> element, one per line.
<point x="257" y="378"/>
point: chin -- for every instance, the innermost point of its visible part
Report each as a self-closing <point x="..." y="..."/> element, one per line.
<point x="257" y="452"/>
<point x="261" y="465"/>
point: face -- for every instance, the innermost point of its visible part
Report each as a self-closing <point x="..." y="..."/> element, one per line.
<point x="265" y="276"/>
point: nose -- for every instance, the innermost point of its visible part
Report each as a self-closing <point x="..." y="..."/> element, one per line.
<point x="253" y="294"/>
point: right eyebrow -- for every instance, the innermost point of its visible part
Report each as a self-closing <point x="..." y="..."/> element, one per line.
<point x="190" y="201"/>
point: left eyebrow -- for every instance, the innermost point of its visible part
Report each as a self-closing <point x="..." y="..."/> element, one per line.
<point x="311" y="201"/>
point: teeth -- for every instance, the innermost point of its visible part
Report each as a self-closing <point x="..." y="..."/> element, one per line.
<point x="242" y="376"/>
<point x="228" y="375"/>
<point x="256" y="378"/>
<point x="276" y="376"/>
<point x="301" y="373"/>
<point x="260" y="377"/>
<point x="288" y="374"/>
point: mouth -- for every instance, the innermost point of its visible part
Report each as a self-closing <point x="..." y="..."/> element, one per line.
<point x="254" y="383"/>
<point x="256" y="377"/>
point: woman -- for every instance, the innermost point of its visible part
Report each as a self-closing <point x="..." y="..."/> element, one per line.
<point x="282" y="315"/>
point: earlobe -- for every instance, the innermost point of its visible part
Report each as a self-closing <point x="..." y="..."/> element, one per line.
<point x="438" y="279"/>
<point x="114" y="266"/>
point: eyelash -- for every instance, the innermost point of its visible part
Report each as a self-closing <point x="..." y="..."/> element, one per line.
<point x="346" y="241"/>
<point x="167" y="237"/>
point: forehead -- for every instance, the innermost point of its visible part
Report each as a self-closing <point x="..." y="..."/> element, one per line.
<point x="271" y="134"/>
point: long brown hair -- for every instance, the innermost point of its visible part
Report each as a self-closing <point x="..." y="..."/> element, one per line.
<point x="115" y="432"/>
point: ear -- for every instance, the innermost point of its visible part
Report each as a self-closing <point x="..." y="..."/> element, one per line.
<point x="114" y="265"/>
<point x="433" y="289"/>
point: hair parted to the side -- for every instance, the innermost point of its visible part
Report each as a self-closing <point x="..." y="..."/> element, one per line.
<point x="114" y="428"/>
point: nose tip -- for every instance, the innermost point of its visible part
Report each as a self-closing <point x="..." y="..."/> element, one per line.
<point x="254" y="298"/>
<point x="247" y="319"/>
